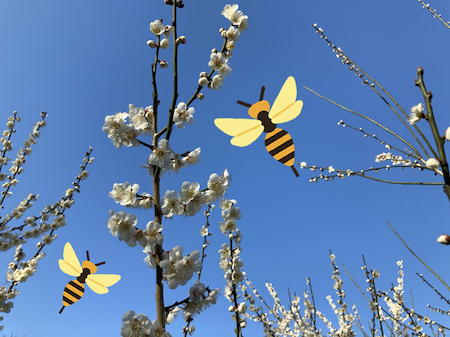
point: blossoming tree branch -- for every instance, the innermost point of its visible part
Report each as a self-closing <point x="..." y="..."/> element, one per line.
<point x="419" y="155"/>
<point x="141" y="127"/>
<point x="42" y="225"/>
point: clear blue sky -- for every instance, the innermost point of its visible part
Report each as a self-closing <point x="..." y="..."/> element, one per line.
<point x="81" y="61"/>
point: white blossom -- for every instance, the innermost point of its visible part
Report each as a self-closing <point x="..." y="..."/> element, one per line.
<point x="152" y="233"/>
<point x="171" y="204"/>
<point x="124" y="194"/>
<point x="416" y="113"/>
<point x="141" y="119"/>
<point x="162" y="155"/>
<point x="197" y="292"/>
<point x="182" y="116"/>
<point x="133" y="326"/>
<point x="217" y="186"/>
<point x="193" y="157"/>
<point x="216" y="83"/>
<point x="235" y="16"/>
<point x="156" y="27"/>
<point x="123" y="224"/>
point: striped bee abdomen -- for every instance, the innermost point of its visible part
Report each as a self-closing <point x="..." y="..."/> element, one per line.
<point x="279" y="144"/>
<point x="73" y="291"/>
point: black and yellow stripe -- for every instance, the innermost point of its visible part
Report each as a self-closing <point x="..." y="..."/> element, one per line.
<point x="73" y="291"/>
<point x="280" y="145"/>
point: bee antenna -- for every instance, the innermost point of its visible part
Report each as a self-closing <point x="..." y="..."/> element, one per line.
<point x="87" y="255"/>
<point x="262" y="93"/>
<point x="244" y="104"/>
<point x="98" y="264"/>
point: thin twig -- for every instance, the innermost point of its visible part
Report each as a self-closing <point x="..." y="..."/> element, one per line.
<point x="418" y="258"/>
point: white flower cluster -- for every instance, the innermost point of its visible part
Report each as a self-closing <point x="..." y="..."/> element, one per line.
<point x="166" y="159"/>
<point x="190" y="199"/>
<point x="396" y="160"/>
<point x="21" y="270"/>
<point x="200" y="298"/>
<point x="157" y="28"/>
<point x="121" y="133"/>
<point x="126" y="195"/>
<point x="396" y="304"/>
<point x="124" y="225"/>
<point x="178" y="270"/>
<point x="230" y="213"/>
<point x="141" y="326"/>
<point x="230" y="261"/>
<point x="280" y="321"/>
<point x="10" y="239"/>
<point x="346" y="319"/>
<point x="219" y="60"/>
<point x="17" y="165"/>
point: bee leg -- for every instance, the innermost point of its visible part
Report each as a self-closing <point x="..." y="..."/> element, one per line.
<point x="62" y="309"/>
<point x="295" y="171"/>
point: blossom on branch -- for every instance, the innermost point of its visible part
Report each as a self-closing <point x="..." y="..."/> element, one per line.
<point x="135" y="326"/>
<point x="416" y="114"/>
<point x="124" y="194"/>
<point x="219" y="62"/>
<point x="217" y="186"/>
<point x="433" y="164"/>
<point x="171" y="204"/>
<point x="178" y="270"/>
<point x="156" y="27"/>
<point x="162" y="155"/>
<point x="236" y="17"/>
<point x="183" y="115"/>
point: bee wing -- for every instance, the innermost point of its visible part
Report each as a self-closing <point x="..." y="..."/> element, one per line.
<point x="285" y="107"/>
<point x="70" y="265"/>
<point x="244" y="131"/>
<point x="99" y="282"/>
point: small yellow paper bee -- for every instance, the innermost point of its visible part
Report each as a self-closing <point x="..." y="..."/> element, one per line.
<point x="278" y="142"/>
<point x="74" y="290"/>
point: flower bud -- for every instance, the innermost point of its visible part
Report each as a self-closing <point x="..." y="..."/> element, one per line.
<point x="433" y="164"/>
<point x="444" y="239"/>
<point x="181" y="40"/>
<point x="151" y="43"/>
<point x="203" y="74"/>
<point x="223" y="33"/>
<point x="202" y="81"/>
<point x="201" y="96"/>
<point x="447" y="133"/>
<point x="164" y="64"/>
<point x="214" y="51"/>
<point x="164" y="43"/>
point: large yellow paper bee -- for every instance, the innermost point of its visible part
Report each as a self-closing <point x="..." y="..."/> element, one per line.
<point x="74" y="290"/>
<point x="278" y="142"/>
